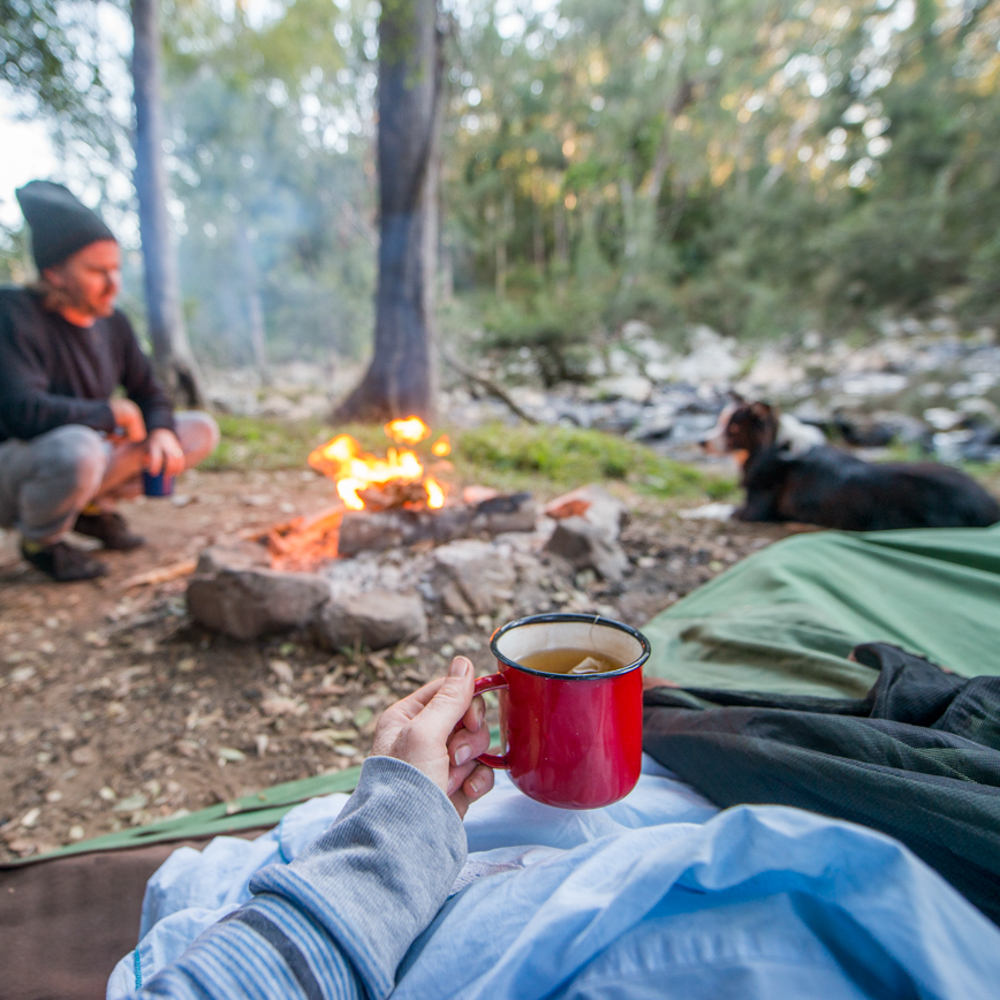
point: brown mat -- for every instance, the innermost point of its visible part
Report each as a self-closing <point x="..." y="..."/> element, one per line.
<point x="65" y="923"/>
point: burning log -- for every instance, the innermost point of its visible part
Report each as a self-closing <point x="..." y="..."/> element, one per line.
<point x="385" y="529"/>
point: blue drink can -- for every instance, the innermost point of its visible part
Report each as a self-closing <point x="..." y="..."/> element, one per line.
<point x="157" y="486"/>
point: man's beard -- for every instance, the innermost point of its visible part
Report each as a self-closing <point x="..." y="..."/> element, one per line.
<point x="56" y="299"/>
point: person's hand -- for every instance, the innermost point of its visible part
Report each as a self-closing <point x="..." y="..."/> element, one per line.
<point x="439" y="730"/>
<point x="165" y="453"/>
<point x="128" y="417"/>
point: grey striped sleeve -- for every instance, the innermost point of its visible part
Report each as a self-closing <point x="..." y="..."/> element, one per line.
<point x="336" y="922"/>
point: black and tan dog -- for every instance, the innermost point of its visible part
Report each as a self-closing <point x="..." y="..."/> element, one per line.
<point x="790" y="475"/>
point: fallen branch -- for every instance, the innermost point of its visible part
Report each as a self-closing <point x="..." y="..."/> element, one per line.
<point x="484" y="383"/>
<point x="162" y="575"/>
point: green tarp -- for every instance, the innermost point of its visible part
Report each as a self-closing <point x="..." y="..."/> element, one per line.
<point x="785" y="620"/>
<point x="263" y="809"/>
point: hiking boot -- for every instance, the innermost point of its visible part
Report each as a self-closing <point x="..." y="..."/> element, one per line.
<point x="63" y="562"/>
<point x="112" y="529"/>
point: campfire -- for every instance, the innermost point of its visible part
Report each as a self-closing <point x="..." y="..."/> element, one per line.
<point x="399" y="483"/>
<point x="365" y="482"/>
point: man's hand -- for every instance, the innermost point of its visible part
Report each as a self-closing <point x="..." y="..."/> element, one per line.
<point x="165" y="453"/>
<point x="128" y="417"/>
<point x="439" y="730"/>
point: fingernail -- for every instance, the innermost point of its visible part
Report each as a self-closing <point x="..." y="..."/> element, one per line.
<point x="460" y="667"/>
<point x="462" y="754"/>
<point x="476" y="784"/>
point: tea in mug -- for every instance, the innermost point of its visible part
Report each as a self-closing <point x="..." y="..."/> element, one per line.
<point x="569" y="661"/>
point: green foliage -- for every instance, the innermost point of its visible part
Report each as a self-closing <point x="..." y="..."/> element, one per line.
<point x="759" y="165"/>
<point x="49" y="51"/>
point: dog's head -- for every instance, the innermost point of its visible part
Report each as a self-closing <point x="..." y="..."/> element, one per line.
<point x="743" y="429"/>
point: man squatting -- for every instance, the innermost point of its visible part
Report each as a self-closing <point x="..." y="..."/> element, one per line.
<point x="68" y="448"/>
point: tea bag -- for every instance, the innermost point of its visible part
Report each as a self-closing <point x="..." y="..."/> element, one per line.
<point x="587" y="666"/>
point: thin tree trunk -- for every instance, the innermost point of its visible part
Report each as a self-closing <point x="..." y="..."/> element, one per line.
<point x="402" y="377"/>
<point x="174" y="361"/>
<point x="537" y="226"/>
<point x="504" y="229"/>
<point x="560" y="224"/>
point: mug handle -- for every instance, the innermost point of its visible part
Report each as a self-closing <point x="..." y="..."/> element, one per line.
<point x="495" y="760"/>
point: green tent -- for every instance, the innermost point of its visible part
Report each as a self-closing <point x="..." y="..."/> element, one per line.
<point x="786" y="619"/>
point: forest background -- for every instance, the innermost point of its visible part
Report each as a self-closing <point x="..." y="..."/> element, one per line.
<point x="766" y="168"/>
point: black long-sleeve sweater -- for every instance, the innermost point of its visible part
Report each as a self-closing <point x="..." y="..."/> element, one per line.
<point x="54" y="373"/>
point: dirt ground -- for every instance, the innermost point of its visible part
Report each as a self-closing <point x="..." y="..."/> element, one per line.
<point x="116" y="710"/>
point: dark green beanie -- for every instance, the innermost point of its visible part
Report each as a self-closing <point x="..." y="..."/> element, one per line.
<point x="60" y="223"/>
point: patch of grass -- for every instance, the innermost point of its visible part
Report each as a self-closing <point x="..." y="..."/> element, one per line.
<point x="571" y="457"/>
<point x="509" y="458"/>
<point x="256" y="443"/>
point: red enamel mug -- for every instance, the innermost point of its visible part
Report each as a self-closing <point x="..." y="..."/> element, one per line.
<point x="571" y="740"/>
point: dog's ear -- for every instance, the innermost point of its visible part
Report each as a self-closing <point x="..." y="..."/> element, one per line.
<point x="762" y="411"/>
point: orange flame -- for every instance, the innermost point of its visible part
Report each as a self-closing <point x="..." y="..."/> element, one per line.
<point x="343" y="461"/>
<point x="407" y="430"/>
<point x="354" y="471"/>
<point x="435" y="495"/>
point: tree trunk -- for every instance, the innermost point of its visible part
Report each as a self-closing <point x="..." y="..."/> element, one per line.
<point x="171" y="351"/>
<point x="402" y="377"/>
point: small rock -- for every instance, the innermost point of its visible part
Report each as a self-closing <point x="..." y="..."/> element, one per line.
<point x="277" y="704"/>
<point x="107" y="794"/>
<point x="76" y="833"/>
<point x="589" y="521"/>
<point x="131" y="803"/>
<point x="636" y="388"/>
<point x="708" y="512"/>
<point x="584" y="545"/>
<point x="376" y="619"/>
<point x="282" y="670"/>
<point x="593" y="503"/>
<point x="30" y="818"/>
<point x="260" y="743"/>
<point x="330" y="737"/>
<point x="473" y="577"/>
<point x="231" y="755"/>
<point x="942" y="419"/>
